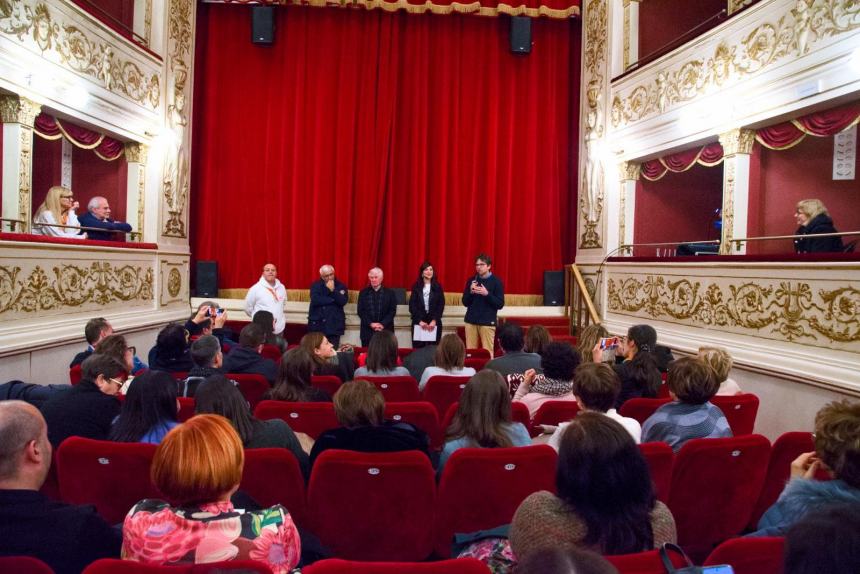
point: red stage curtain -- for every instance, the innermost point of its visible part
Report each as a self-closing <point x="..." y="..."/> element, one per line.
<point x="559" y="9"/>
<point x="821" y="124"/>
<point x="367" y="138"/>
<point x="708" y="155"/>
<point x="52" y="128"/>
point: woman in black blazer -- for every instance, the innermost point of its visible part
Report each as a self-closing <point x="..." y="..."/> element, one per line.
<point x="426" y="304"/>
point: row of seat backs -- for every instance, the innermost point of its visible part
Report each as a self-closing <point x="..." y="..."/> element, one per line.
<point x="387" y="506"/>
<point x="746" y="555"/>
<point x="740" y="410"/>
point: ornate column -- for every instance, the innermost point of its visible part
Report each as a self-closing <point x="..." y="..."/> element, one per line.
<point x="737" y="147"/>
<point x="135" y="156"/>
<point x="18" y="115"/>
<point x="629" y="174"/>
<point x="631" y="32"/>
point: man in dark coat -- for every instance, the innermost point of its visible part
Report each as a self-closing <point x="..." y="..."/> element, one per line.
<point x="98" y="216"/>
<point x="325" y="314"/>
<point x="246" y="357"/>
<point x="377" y="306"/>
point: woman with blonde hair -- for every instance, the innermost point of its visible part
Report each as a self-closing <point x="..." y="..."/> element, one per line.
<point x="57" y="209"/>
<point x="721" y="362"/>
<point x="198" y="467"/>
<point x="449" y="360"/>
<point x="588" y="338"/>
<point x="813" y="219"/>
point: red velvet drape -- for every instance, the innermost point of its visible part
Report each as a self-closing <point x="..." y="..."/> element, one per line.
<point x="820" y="124"/>
<point x="708" y="156"/>
<point x="368" y="138"/>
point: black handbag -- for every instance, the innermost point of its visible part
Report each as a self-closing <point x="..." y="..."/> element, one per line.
<point x="690" y="568"/>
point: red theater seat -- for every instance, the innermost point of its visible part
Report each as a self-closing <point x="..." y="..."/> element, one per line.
<point x="113" y="476"/>
<point x="396" y="389"/>
<point x="115" y="566"/>
<point x="328" y="383"/>
<point x="740" y="411"/>
<point x="554" y="412"/>
<point x="443" y="390"/>
<point x="373" y="506"/>
<point x="271" y="352"/>
<point x="644" y="562"/>
<point x="481" y="488"/>
<point x="24" y="565"/>
<point x="253" y="387"/>
<point x="272" y="476"/>
<point x="75" y="374"/>
<point x="476" y="363"/>
<point x="478" y="354"/>
<point x="421" y="414"/>
<point x="641" y="409"/>
<point x="750" y="555"/>
<point x="337" y="566"/>
<point x="660" y="459"/>
<point x="715" y="485"/>
<point x="186" y="408"/>
<point x="310" y="418"/>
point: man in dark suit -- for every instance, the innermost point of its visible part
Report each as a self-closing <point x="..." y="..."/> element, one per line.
<point x="325" y="314"/>
<point x="377" y="306"/>
<point x="98" y="216"/>
<point x="246" y="358"/>
<point x="95" y="330"/>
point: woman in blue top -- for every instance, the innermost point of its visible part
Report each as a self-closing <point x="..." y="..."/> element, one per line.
<point x="149" y="410"/>
<point x="483" y="418"/>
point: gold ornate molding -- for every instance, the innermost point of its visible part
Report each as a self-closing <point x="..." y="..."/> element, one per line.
<point x="629" y="170"/>
<point x="728" y="213"/>
<point x="176" y="166"/>
<point x="786" y="310"/>
<point x="18" y="110"/>
<point x="807" y="23"/>
<point x="173" y="282"/>
<point x="72" y="46"/>
<point x="737" y="141"/>
<point x="136" y="152"/>
<point x="72" y="286"/>
<point x="592" y="187"/>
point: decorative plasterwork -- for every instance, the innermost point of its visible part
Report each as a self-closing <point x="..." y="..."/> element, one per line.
<point x="78" y="46"/>
<point x="174" y="282"/>
<point x="737" y="141"/>
<point x="734" y="142"/>
<point x="18" y="110"/>
<point x="70" y="286"/>
<point x="787" y="35"/>
<point x="629" y="170"/>
<point x="821" y="313"/>
<point x="591" y="189"/>
<point x="136" y="153"/>
<point x="176" y="162"/>
<point x="23" y="112"/>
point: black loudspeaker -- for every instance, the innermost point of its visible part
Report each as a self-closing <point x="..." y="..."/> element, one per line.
<point x="263" y="25"/>
<point x="521" y="34"/>
<point x="207" y="279"/>
<point x="553" y="288"/>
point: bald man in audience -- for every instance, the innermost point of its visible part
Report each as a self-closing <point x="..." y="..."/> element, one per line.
<point x="98" y="216"/>
<point x="65" y="537"/>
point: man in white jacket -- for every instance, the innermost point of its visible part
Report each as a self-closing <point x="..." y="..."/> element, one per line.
<point x="268" y="294"/>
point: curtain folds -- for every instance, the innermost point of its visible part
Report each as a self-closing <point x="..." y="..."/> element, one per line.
<point x="51" y="128"/>
<point x="556" y="9"/>
<point x="367" y="138"/>
<point x="709" y="155"/>
<point x="820" y="124"/>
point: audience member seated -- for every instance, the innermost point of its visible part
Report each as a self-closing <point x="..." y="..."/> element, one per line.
<point x="450" y="358"/>
<point x="605" y="500"/>
<point x="293" y="383"/>
<point x="419" y="359"/>
<point x="149" y="410"/>
<point x="95" y="330"/>
<point x="89" y="408"/>
<point x="813" y="219"/>
<point x="565" y="561"/>
<point x="209" y="319"/>
<point x="382" y="357"/>
<point x="220" y="396"/>
<point x="587" y="339"/>
<point x="246" y="358"/>
<point x="825" y="541"/>
<point x="638" y="370"/>
<point x="515" y="361"/>
<point x="721" y="362"/>
<point x="266" y="320"/>
<point x="208" y="359"/>
<point x="116" y="346"/>
<point x="58" y="209"/>
<point x="837" y="451"/>
<point x="559" y="361"/>
<point x="197" y="467"/>
<point x="596" y="386"/>
<point x="537" y="338"/>
<point x="327" y="361"/>
<point x="360" y="409"/>
<point x="171" y="352"/>
<point x="690" y="415"/>
<point x="98" y="215"/>
<point x="483" y="418"/>
<point x="65" y="537"/>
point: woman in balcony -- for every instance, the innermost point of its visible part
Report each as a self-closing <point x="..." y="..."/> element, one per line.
<point x="813" y="219"/>
<point x="58" y="209"/>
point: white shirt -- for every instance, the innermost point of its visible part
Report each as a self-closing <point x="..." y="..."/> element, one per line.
<point x="51" y="231"/>
<point x="426" y="294"/>
<point x="630" y="425"/>
<point x="433" y="371"/>
<point x="264" y="297"/>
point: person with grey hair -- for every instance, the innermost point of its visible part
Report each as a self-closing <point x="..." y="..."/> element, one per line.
<point x="377" y="306"/>
<point x="65" y="537"/>
<point x="325" y="314"/>
<point x="98" y="216"/>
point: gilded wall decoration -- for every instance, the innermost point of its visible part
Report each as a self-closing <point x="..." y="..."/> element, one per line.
<point x="176" y="163"/>
<point x="23" y="112"/>
<point x="69" y="285"/>
<point x="792" y="36"/>
<point x="174" y="282"/>
<point x="137" y="153"/>
<point x="788" y="310"/>
<point x="74" y="48"/>
<point x="592" y="187"/>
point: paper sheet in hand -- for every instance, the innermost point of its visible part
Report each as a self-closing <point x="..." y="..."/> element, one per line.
<point x="419" y="334"/>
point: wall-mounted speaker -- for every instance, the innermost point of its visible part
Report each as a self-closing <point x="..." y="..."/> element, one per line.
<point x="553" y="288"/>
<point x="207" y="279"/>
<point x="521" y="34"/>
<point x="263" y="25"/>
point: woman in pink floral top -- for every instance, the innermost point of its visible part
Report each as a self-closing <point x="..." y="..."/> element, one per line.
<point x="198" y="466"/>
